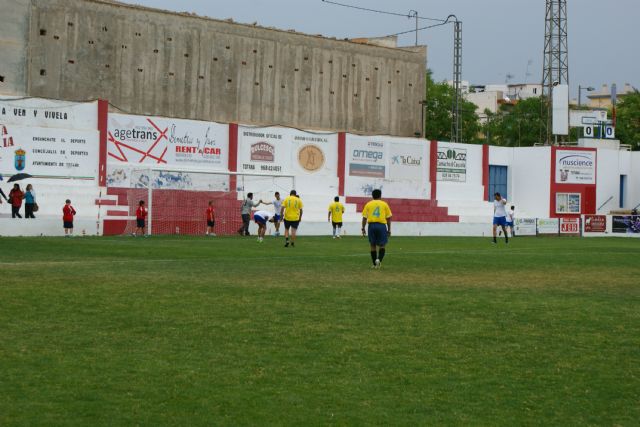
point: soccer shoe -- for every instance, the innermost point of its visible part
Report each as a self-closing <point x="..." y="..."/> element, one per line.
<point x="334" y="237"/>
<point x="377" y="263"/>
<point x="339" y="236"/>
<point x="286" y="245"/>
<point x="292" y="244"/>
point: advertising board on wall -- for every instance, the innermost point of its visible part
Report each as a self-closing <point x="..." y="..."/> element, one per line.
<point x="40" y="112"/>
<point x="149" y="141"/>
<point x="569" y="225"/>
<point x="285" y="151"/>
<point x="367" y="158"/>
<point x="548" y="225"/>
<point x="595" y="223"/>
<point x="398" y="166"/>
<point x="575" y="167"/>
<point x="627" y="224"/>
<point x="49" y="152"/>
<point x="525" y="226"/>
<point x="451" y="164"/>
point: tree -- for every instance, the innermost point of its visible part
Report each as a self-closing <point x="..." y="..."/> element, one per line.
<point x="516" y="125"/>
<point x="628" y="120"/>
<point x="439" y="99"/>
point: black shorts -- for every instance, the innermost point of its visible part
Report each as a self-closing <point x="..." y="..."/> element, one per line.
<point x="67" y="224"/>
<point x="211" y="223"/>
<point x="291" y="224"/>
<point x="336" y="224"/>
<point x="139" y="223"/>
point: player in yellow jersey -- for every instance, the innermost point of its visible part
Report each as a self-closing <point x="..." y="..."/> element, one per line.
<point x="291" y="211"/>
<point x="378" y="214"/>
<point x="336" y="209"/>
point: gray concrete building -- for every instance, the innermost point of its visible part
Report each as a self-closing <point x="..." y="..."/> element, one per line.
<point x="154" y="62"/>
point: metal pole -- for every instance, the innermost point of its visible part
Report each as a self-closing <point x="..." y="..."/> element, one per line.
<point x="579" y="96"/>
<point x="150" y="194"/>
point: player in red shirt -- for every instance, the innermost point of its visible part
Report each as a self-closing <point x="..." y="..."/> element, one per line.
<point x="211" y="219"/>
<point x="67" y="218"/>
<point x="141" y="215"/>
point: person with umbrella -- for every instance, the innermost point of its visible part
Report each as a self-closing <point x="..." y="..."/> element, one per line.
<point x="15" y="199"/>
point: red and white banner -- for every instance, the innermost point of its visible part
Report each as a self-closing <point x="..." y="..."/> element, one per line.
<point x="569" y="225"/>
<point x="595" y="223"/>
<point x="140" y="140"/>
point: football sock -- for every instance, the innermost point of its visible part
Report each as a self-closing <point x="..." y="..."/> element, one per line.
<point x="381" y="253"/>
<point x="373" y="257"/>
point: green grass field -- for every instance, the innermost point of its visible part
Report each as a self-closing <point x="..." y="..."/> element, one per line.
<point x="224" y="331"/>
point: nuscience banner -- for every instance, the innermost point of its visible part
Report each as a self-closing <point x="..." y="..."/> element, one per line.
<point x="159" y="141"/>
<point x="575" y="166"/>
<point x="49" y="152"/>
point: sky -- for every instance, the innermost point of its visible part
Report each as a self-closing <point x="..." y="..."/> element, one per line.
<point x="500" y="38"/>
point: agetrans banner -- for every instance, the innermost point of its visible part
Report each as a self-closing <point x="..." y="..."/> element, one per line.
<point x="49" y="152"/>
<point x="141" y="140"/>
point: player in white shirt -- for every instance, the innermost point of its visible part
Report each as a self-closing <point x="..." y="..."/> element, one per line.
<point x="277" y="207"/>
<point x="511" y="217"/>
<point x="499" y="216"/>
<point x="261" y="218"/>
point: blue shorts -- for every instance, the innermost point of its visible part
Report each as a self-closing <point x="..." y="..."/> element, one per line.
<point x="259" y="220"/>
<point x="277" y="218"/>
<point x="378" y="234"/>
<point x="500" y="220"/>
<point x="509" y="224"/>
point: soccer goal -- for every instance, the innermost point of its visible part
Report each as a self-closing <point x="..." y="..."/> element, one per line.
<point x="177" y="200"/>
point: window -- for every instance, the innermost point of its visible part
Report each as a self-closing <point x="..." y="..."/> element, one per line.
<point x="568" y="203"/>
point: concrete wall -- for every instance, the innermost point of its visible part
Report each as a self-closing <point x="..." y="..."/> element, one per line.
<point x="152" y="62"/>
<point x="14" y="31"/>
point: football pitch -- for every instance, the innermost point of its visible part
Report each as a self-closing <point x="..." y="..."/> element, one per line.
<point x="226" y="331"/>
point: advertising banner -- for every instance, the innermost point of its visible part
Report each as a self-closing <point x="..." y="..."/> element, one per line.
<point x="264" y="151"/>
<point x="397" y="166"/>
<point x="575" y="167"/>
<point x="569" y="225"/>
<point x="452" y="164"/>
<point x="548" y="225"/>
<point x="525" y="226"/>
<point x="628" y="224"/>
<point x="568" y="203"/>
<point x="366" y="157"/>
<point x="39" y="112"/>
<point x="163" y="141"/>
<point x="595" y="223"/>
<point x="49" y="152"/>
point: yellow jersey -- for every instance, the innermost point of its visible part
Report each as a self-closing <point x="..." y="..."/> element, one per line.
<point x="292" y="207"/>
<point x="376" y="211"/>
<point x="336" y="209"/>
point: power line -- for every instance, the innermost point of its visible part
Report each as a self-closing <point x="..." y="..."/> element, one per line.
<point x="443" y="22"/>
<point x="366" y="9"/>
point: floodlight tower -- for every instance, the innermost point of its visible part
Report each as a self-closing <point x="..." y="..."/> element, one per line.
<point x="556" y="56"/>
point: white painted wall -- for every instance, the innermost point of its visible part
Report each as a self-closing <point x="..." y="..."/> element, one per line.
<point x="529" y="182"/>
<point x="608" y="181"/>
<point x="633" y="179"/>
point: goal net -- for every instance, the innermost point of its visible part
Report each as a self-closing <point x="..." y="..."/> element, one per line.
<point x="177" y="201"/>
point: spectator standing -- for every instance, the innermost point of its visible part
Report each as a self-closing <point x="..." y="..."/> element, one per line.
<point x="29" y="201"/>
<point x="68" y="212"/>
<point x="15" y="199"/>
